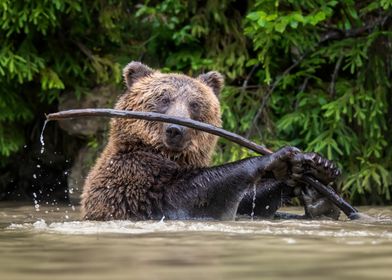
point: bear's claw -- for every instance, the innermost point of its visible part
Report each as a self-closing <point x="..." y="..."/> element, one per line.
<point x="290" y="165"/>
<point x="315" y="165"/>
<point x="317" y="206"/>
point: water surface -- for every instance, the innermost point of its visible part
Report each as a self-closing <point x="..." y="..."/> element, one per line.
<point x="53" y="243"/>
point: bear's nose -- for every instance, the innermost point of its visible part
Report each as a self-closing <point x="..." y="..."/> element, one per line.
<point x="174" y="132"/>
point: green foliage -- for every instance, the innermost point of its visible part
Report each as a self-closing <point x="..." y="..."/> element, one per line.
<point x="310" y="73"/>
<point x="332" y="93"/>
<point x="48" y="47"/>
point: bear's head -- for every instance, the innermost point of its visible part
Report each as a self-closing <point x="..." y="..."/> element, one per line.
<point x="149" y="90"/>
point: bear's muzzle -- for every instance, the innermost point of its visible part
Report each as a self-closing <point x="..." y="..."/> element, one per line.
<point x="176" y="137"/>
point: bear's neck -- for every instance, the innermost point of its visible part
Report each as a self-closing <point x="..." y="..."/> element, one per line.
<point x="186" y="159"/>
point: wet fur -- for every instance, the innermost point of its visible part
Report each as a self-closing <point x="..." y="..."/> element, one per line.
<point x="127" y="179"/>
<point x="138" y="177"/>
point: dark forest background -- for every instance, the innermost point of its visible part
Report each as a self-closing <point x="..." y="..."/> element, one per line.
<point x="310" y="73"/>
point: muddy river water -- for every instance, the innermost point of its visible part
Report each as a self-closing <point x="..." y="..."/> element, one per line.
<point x="53" y="243"/>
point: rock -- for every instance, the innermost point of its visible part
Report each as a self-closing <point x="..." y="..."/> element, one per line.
<point x="93" y="129"/>
<point x="102" y="97"/>
<point x="79" y="171"/>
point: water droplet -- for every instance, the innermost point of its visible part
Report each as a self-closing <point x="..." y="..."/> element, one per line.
<point x="253" y="202"/>
<point x="34" y="176"/>
<point x="41" y="138"/>
<point x="38" y="166"/>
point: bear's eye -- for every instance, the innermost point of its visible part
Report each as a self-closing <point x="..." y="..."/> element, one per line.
<point x="195" y="106"/>
<point x="165" y="101"/>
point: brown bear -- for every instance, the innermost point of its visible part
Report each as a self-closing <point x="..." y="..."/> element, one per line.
<point x="151" y="169"/>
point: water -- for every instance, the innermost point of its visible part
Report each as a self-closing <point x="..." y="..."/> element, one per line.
<point x="41" y="138"/>
<point x="35" y="245"/>
<point x="252" y="214"/>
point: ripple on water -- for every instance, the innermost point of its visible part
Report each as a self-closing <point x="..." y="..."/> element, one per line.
<point x="293" y="228"/>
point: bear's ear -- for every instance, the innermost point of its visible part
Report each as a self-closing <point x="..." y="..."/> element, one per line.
<point x="134" y="71"/>
<point x="214" y="80"/>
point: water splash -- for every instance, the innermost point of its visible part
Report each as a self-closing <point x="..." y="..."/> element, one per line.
<point x="287" y="229"/>
<point x="41" y="138"/>
<point x="36" y="203"/>
<point x="252" y="214"/>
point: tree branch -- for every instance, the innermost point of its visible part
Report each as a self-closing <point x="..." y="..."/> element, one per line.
<point x="331" y="35"/>
<point x="335" y="76"/>
<point x="350" y="211"/>
<point x="246" y="81"/>
<point x="151" y="116"/>
<point x="270" y="91"/>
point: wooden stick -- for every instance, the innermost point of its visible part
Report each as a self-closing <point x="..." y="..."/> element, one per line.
<point x="150" y="116"/>
<point x="347" y="209"/>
